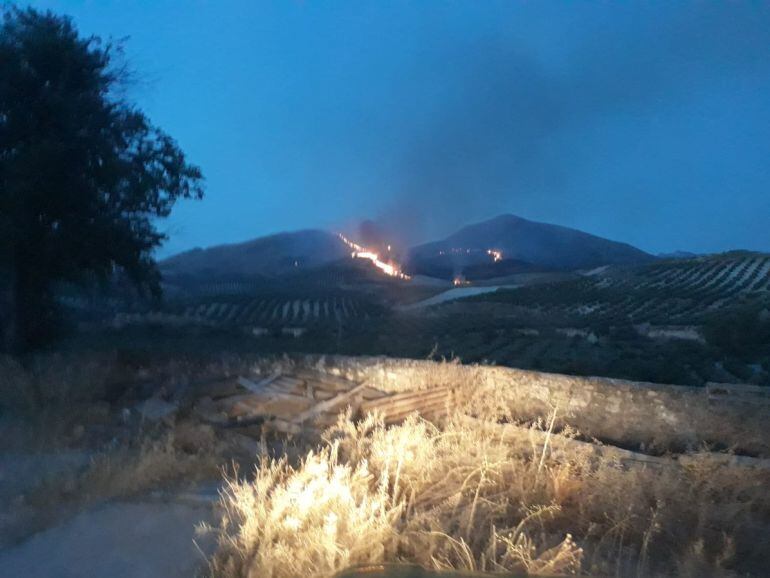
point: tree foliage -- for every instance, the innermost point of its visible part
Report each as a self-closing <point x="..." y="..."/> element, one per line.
<point x="84" y="175"/>
<point x="742" y="332"/>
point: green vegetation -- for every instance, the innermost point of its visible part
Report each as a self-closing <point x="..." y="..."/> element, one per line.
<point x="742" y="332"/>
<point x="86" y="176"/>
<point x="670" y="293"/>
<point x="683" y="322"/>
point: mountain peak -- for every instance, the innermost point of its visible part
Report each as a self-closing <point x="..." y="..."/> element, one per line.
<point x="542" y="245"/>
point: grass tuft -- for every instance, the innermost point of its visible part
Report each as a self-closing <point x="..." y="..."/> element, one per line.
<point x="455" y="497"/>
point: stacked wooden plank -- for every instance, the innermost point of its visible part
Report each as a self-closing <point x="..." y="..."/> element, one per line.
<point x="431" y="403"/>
<point x="309" y="401"/>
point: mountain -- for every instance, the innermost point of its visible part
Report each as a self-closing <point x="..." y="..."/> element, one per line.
<point x="525" y="246"/>
<point x="542" y="246"/>
<point x="476" y="265"/>
<point x="259" y="258"/>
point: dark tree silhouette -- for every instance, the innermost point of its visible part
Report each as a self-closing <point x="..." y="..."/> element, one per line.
<point x="84" y="175"/>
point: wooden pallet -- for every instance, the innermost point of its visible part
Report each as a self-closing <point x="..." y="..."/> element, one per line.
<point x="309" y="400"/>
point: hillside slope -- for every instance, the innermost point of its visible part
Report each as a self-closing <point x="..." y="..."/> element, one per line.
<point x="682" y="292"/>
<point x="542" y="245"/>
<point x="263" y="257"/>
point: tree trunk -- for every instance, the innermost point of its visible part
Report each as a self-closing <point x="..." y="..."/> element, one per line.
<point x="23" y="314"/>
<point x="9" y="334"/>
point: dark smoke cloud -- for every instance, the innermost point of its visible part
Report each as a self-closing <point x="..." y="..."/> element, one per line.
<point x="493" y="133"/>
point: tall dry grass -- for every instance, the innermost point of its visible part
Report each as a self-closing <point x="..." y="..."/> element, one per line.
<point x="439" y="498"/>
<point x="454" y="497"/>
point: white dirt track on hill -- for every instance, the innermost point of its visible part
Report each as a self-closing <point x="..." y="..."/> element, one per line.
<point x="456" y="293"/>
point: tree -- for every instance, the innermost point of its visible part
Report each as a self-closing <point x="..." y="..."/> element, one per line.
<point x="84" y="175"/>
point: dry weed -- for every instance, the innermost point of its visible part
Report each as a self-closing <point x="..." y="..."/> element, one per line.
<point x="156" y="463"/>
<point x="441" y="498"/>
<point x="457" y="498"/>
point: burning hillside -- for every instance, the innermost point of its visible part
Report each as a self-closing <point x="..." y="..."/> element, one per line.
<point x="389" y="267"/>
<point x="499" y="247"/>
<point x="508" y="237"/>
<point x="392" y="268"/>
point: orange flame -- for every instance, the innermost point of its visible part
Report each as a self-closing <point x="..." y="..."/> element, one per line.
<point x="495" y="254"/>
<point x="359" y="252"/>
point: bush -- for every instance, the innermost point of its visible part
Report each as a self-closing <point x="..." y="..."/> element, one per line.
<point x="738" y="332"/>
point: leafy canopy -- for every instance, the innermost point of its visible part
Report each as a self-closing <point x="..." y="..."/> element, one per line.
<point x="84" y="175"/>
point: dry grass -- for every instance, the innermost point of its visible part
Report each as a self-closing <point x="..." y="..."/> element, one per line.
<point x="456" y="498"/>
<point x="444" y="497"/>
<point x="160" y="463"/>
<point x="56" y="380"/>
<point x="154" y="464"/>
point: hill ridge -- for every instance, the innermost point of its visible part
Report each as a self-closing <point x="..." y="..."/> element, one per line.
<point x="542" y="245"/>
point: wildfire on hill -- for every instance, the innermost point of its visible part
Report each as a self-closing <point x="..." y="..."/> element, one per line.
<point x="494" y="253"/>
<point x="389" y="267"/>
<point x="393" y="269"/>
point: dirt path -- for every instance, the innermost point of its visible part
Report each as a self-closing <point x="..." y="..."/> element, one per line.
<point x="456" y="293"/>
<point x="136" y="539"/>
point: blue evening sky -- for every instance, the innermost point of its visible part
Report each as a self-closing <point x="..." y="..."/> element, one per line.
<point x="642" y="122"/>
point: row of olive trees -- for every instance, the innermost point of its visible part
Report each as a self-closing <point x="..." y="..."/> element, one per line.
<point x="84" y="175"/>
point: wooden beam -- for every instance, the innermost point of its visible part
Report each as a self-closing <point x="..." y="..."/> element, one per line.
<point x="329" y="403"/>
<point x="326" y="380"/>
<point x="258" y="386"/>
<point x="408" y="400"/>
<point x="370" y="393"/>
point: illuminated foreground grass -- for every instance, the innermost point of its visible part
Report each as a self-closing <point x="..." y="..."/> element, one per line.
<point x="453" y="498"/>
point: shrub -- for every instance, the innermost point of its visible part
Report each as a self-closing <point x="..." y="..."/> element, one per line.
<point x="738" y="332"/>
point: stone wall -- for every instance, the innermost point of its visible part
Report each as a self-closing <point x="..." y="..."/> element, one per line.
<point x="629" y="414"/>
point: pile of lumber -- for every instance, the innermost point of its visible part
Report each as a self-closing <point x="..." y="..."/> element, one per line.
<point x="430" y="404"/>
<point x="308" y="401"/>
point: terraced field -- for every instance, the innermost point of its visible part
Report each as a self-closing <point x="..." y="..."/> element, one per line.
<point x="686" y="322"/>
<point x="670" y="292"/>
<point x="265" y="311"/>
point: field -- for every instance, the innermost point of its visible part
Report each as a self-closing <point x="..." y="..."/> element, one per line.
<point x="690" y="321"/>
<point x="267" y="311"/>
<point x="680" y="292"/>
